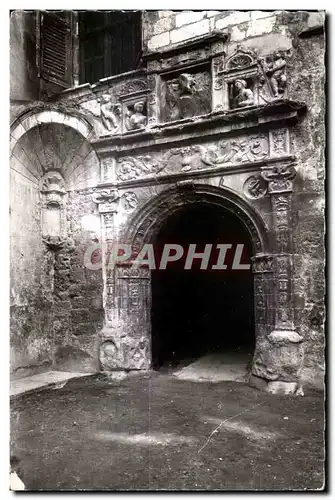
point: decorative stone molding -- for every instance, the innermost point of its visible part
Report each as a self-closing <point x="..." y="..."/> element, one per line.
<point x="53" y="214"/>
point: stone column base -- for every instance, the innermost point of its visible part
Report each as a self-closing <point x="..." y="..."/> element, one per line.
<point x="278" y="387"/>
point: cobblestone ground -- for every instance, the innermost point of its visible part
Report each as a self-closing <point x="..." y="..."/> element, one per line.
<point x="151" y="432"/>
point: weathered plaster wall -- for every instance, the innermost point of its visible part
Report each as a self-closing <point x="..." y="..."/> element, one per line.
<point x="23" y="70"/>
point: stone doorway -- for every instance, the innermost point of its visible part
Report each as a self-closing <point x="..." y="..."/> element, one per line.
<point x="203" y="313"/>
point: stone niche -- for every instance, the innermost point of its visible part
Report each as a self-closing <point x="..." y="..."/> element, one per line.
<point x="185" y="93"/>
<point x="53" y="216"/>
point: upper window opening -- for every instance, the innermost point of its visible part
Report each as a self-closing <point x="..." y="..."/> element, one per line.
<point x="109" y="43"/>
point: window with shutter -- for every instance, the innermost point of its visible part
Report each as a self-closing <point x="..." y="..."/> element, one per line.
<point x="56" y="47"/>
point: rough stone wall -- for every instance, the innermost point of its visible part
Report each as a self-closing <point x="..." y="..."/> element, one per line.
<point x="78" y="291"/>
<point x="308" y="137"/>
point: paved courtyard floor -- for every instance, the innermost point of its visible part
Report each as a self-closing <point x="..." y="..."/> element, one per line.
<point x="157" y="432"/>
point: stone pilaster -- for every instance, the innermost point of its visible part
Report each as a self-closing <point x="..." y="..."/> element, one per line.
<point x="125" y="337"/>
<point x="284" y="339"/>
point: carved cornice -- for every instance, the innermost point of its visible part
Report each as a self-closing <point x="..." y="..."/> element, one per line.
<point x="250" y="167"/>
<point x="278" y="113"/>
<point x="186" y="45"/>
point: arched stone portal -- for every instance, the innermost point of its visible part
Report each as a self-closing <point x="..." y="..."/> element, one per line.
<point x="128" y="289"/>
<point x="207" y="310"/>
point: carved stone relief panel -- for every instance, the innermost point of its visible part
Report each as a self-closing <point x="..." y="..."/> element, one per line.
<point x="117" y="105"/>
<point x="107" y="166"/>
<point x="135" y="114"/>
<point x="273" y="80"/>
<point x="253" y="81"/>
<point x="279" y="142"/>
<point x="185" y="95"/>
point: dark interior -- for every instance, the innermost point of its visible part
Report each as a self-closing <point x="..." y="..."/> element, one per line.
<point x="196" y="312"/>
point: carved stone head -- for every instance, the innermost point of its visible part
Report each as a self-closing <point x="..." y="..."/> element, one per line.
<point x="139" y="107"/>
<point x="240" y="84"/>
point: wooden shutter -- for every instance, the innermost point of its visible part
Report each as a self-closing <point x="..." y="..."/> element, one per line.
<point x="56" y="48"/>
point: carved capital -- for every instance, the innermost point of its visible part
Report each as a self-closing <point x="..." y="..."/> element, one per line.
<point x="107" y="200"/>
<point x="262" y="263"/>
<point x="279" y="177"/>
<point x="133" y="272"/>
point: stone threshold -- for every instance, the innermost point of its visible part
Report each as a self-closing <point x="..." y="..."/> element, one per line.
<point x="41" y="381"/>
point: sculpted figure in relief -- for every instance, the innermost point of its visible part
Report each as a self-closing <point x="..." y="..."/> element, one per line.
<point x="136" y="119"/>
<point x="243" y="96"/>
<point x="186" y="96"/>
<point x="276" y="72"/>
<point x="110" y="114"/>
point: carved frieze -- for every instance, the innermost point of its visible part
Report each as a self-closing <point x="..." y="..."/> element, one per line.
<point x="129" y="168"/>
<point x="235" y="151"/>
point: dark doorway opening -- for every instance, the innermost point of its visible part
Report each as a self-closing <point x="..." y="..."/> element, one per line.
<point x="196" y="312"/>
